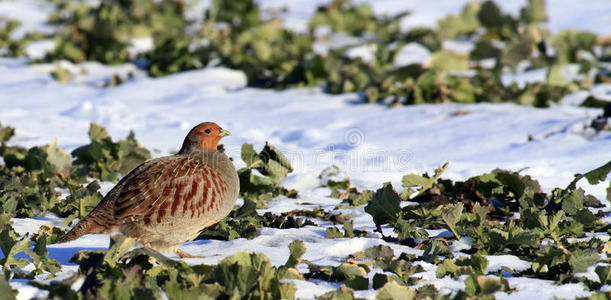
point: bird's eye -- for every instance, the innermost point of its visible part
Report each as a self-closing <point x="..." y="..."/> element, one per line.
<point x="207" y="131"/>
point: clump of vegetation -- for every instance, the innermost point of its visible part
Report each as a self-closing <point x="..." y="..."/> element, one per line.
<point x="237" y="35"/>
<point x="482" y="209"/>
<point x="104" y="159"/>
<point x="260" y="179"/>
<point x="9" y="46"/>
<point x="143" y="272"/>
<point x="104" y="32"/>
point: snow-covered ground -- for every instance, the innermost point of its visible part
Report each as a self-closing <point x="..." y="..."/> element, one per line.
<point x="370" y="143"/>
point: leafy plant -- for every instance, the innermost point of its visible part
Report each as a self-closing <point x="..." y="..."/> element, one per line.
<point x="273" y="167"/>
<point x="385" y="205"/>
<point x="104" y="159"/>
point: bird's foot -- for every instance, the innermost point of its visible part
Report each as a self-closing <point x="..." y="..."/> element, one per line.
<point x="183" y="254"/>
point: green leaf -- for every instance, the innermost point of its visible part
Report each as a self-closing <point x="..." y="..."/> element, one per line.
<point x="534" y="12"/>
<point x="405" y="229"/>
<point x="489" y="285"/>
<point x="39" y="257"/>
<point x="483" y="285"/>
<point x="604" y="273"/>
<point x="446" y="60"/>
<point x="10" y="248"/>
<point x="446" y="267"/>
<point x="394" y="291"/>
<point x="385" y="205"/>
<point x="585" y="217"/>
<point x="594" y="176"/>
<point x="97" y="132"/>
<point x="453" y="26"/>
<point x="471" y="286"/>
<point x="573" y="202"/>
<point x="379" y="252"/>
<point x="60" y="160"/>
<point x="434" y="250"/>
<point x="160" y="258"/>
<point x="6" y="133"/>
<point x="477" y="262"/>
<point x="425" y="183"/>
<point x="297" y="249"/>
<point x="359" y="283"/>
<point x="451" y="216"/>
<point x="5" y="288"/>
<point x="119" y="245"/>
<point x="333" y="233"/>
<point x="343" y="293"/>
<point x="250" y="157"/>
<point x="481" y="212"/>
<point x="347" y="270"/>
<point x="580" y="260"/>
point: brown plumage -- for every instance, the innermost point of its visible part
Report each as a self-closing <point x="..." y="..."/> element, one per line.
<point x="167" y="201"/>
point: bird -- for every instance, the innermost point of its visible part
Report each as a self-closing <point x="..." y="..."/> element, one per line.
<point x="169" y="200"/>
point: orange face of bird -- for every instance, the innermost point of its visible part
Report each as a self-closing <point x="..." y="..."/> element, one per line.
<point x="208" y="135"/>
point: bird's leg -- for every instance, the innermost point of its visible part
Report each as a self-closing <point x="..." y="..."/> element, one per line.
<point x="183" y="254"/>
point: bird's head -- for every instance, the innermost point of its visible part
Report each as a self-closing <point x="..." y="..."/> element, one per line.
<point x="205" y="136"/>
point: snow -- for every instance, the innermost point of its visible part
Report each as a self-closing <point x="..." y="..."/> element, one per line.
<point x="412" y="53"/>
<point x="370" y="143"/>
<point x="365" y="52"/>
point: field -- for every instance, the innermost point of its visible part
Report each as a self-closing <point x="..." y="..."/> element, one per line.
<point x="437" y="154"/>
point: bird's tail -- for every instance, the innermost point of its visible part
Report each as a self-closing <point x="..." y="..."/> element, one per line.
<point x="92" y="224"/>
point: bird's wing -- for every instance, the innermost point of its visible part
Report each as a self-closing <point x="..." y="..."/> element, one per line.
<point x="155" y="184"/>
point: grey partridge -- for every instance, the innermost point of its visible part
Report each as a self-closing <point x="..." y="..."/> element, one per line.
<point x="167" y="201"/>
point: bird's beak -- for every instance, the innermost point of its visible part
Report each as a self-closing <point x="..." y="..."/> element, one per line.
<point x="224" y="132"/>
